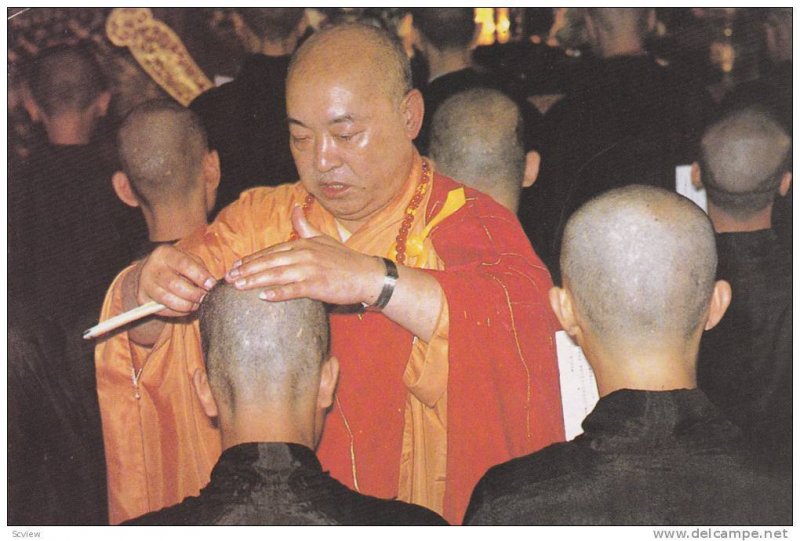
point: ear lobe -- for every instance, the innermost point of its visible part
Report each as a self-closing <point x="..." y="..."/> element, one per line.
<point x="204" y="395"/>
<point x="786" y="183"/>
<point x="122" y="187"/>
<point x="212" y="169"/>
<point x="720" y="300"/>
<point x="413" y="111"/>
<point x="561" y="303"/>
<point x="329" y="377"/>
<point x="697" y="177"/>
<point x="532" y="163"/>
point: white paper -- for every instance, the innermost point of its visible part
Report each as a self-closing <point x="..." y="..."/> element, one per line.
<point x="578" y="386"/>
<point x="684" y="186"/>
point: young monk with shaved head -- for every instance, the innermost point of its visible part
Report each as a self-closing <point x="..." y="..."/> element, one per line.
<point x="442" y="326"/>
<point x="167" y="169"/>
<point x="639" y="289"/>
<point x="477" y="138"/>
<point x="269" y="381"/>
<point x="745" y="364"/>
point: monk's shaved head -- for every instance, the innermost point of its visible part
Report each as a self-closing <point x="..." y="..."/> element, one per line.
<point x="65" y="79"/>
<point x="476" y="138"/>
<point x="744" y="156"/>
<point x="641" y="264"/>
<point x="161" y="148"/>
<point x="259" y="352"/>
<point x="355" y="48"/>
<point x="446" y="28"/>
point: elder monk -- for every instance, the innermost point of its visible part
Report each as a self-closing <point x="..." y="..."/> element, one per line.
<point x="450" y="369"/>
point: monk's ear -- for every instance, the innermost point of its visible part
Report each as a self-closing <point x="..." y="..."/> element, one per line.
<point x="562" y="305"/>
<point x="786" y="182"/>
<point x="204" y="395"/>
<point x="697" y="176"/>
<point x="32" y="108"/>
<point x="102" y="102"/>
<point x="123" y="189"/>
<point x="329" y="376"/>
<point x="720" y="300"/>
<point x="413" y="109"/>
<point x="532" y="162"/>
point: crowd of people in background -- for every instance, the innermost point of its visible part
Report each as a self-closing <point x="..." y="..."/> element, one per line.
<point x="364" y="248"/>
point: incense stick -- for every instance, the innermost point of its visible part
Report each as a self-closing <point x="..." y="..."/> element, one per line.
<point x="116" y="322"/>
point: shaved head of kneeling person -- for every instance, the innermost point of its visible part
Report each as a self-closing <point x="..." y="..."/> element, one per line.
<point x="269" y="380"/>
<point x="639" y="289"/>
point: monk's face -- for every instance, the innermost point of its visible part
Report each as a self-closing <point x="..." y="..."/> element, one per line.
<point x="348" y="136"/>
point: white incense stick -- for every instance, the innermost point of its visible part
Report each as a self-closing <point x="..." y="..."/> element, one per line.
<point x="116" y="322"/>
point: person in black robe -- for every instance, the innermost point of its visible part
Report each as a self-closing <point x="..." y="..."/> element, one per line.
<point x="246" y="118"/>
<point x="745" y="363"/>
<point x="655" y="450"/>
<point x="56" y="463"/>
<point x="630" y="120"/>
<point x="269" y="380"/>
<point x="68" y="234"/>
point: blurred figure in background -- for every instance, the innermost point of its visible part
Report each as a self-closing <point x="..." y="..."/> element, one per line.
<point x="246" y="118"/>
<point x="630" y="117"/>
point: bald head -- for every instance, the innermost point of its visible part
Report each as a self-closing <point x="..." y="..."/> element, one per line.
<point x="640" y="263"/>
<point x="743" y="158"/>
<point x="357" y="48"/>
<point x="65" y="79"/>
<point x="161" y="148"/>
<point x="259" y="352"/>
<point x="476" y="138"/>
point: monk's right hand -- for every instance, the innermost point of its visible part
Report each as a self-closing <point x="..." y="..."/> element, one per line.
<point x="174" y="278"/>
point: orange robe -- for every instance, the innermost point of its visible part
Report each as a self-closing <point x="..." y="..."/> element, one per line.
<point x="414" y="420"/>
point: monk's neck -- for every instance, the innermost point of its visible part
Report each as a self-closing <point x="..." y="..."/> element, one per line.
<point x="725" y="223"/>
<point x="444" y="62"/>
<point x="170" y="224"/>
<point x="70" y="129"/>
<point x="258" y="425"/>
<point x="660" y="367"/>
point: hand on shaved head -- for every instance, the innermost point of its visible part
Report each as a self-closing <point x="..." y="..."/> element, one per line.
<point x="258" y="352"/>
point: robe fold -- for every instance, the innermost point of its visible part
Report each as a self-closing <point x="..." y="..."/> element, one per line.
<point x="413" y="420"/>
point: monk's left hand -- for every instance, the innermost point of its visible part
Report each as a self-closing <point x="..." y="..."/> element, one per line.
<point x="315" y="266"/>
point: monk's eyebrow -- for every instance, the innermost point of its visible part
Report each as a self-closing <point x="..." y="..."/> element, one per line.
<point x="291" y="121"/>
<point x="343" y="119"/>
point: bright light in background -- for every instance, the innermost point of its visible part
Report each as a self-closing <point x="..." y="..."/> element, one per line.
<point x="492" y="29"/>
<point x="485" y="17"/>
<point x="503" y="26"/>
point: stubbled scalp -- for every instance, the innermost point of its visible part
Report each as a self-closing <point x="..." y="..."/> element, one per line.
<point x="476" y="137"/>
<point x="161" y="148"/>
<point x="744" y="155"/>
<point x="356" y="46"/>
<point x="641" y="263"/>
<point x="259" y="352"/>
